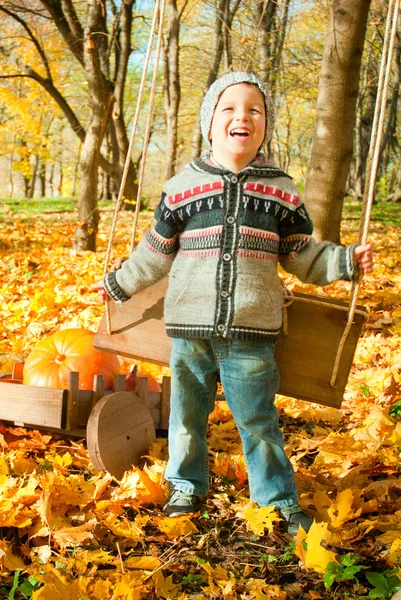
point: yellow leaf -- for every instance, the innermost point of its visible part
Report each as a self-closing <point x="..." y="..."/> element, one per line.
<point x="395" y="552"/>
<point x="317" y="557"/>
<point x="9" y="561"/>
<point x="165" y="587"/>
<point x="57" y="587"/>
<point x="258" y="519"/>
<point x="62" y="461"/>
<point x="102" y="589"/>
<point x="3" y="466"/>
<point x="300" y="545"/>
<point x="130" y="587"/>
<point x="146" y="563"/>
<point x="42" y="301"/>
<point x="341" y="510"/>
<point x="68" y="536"/>
<point x="177" y="526"/>
<point x="96" y="557"/>
<point x="124" y="528"/>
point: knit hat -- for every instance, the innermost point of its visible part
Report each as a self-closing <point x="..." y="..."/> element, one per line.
<point x="213" y="94"/>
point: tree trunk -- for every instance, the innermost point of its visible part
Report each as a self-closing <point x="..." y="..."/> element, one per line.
<point x="101" y="100"/>
<point x="32" y="182"/>
<point x="172" y="87"/>
<point x="88" y="212"/>
<point x="335" y="120"/>
<point x="42" y="179"/>
<point x="222" y="32"/>
<point x="397" y="193"/>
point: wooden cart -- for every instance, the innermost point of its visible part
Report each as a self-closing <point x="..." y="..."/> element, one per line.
<point x="118" y="425"/>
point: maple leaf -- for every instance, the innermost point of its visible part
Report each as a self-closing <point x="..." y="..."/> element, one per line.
<point x="165" y="587"/>
<point x="231" y="467"/>
<point x="147" y="563"/>
<point x="68" y="536"/>
<point x="8" y="560"/>
<point x="177" y="526"/>
<point x="131" y="587"/>
<point x="313" y="556"/>
<point x="259" y="518"/>
<point x="57" y="586"/>
<point x="123" y="528"/>
<point x="394" y="554"/>
<point x="341" y="510"/>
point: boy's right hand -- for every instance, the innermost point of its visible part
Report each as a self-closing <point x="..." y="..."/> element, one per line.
<point x="99" y="287"/>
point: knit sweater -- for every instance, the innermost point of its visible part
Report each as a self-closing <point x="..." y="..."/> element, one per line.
<point x="220" y="236"/>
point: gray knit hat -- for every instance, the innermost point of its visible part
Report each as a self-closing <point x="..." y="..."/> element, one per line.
<point x="217" y="88"/>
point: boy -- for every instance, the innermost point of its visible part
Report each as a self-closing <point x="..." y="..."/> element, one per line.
<point x="222" y="226"/>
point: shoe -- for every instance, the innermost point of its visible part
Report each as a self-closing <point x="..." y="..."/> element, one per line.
<point x="293" y="517"/>
<point x="180" y="503"/>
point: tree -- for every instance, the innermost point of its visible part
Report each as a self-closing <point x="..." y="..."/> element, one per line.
<point x="172" y="86"/>
<point x="102" y="52"/>
<point x="335" y="116"/>
<point x="225" y="14"/>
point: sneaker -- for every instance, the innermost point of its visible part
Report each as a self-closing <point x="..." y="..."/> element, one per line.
<point x="293" y="517"/>
<point x="180" y="503"/>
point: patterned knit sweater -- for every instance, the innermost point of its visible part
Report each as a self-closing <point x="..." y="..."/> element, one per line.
<point x="220" y="236"/>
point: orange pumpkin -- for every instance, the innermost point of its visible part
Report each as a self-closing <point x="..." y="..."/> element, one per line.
<point x="54" y="357"/>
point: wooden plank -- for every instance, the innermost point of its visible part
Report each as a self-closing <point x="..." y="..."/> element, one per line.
<point x="153" y="405"/>
<point x="138" y="327"/>
<point x="73" y="400"/>
<point x="142" y="392"/>
<point x="98" y="389"/>
<point x="305" y="356"/>
<point x="32" y="405"/>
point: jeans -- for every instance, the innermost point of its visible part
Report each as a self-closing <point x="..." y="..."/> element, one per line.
<point x="250" y="379"/>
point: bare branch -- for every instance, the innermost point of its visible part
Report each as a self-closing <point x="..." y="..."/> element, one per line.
<point x="32" y="37"/>
<point x="68" y="24"/>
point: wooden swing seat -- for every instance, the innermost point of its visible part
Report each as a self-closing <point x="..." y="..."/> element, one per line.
<point x="305" y="355"/>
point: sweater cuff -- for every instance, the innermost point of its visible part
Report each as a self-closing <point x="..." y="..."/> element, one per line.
<point x="348" y="264"/>
<point x="113" y="289"/>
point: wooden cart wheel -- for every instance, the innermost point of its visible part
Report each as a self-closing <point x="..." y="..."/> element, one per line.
<point x="119" y="431"/>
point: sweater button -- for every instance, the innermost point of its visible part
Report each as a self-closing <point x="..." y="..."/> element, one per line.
<point x="230" y="220"/>
<point x="221" y="328"/>
<point x="234" y="179"/>
<point x="226" y="257"/>
<point x="224" y="294"/>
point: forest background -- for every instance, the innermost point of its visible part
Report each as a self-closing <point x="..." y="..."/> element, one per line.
<point x="70" y="73"/>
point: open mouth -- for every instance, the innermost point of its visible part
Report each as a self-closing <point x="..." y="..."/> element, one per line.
<point x="239" y="133"/>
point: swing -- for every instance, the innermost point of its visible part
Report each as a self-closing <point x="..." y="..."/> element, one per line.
<point x="315" y="349"/>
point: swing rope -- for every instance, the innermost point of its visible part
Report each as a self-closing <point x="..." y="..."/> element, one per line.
<point x="158" y="11"/>
<point x="372" y="162"/>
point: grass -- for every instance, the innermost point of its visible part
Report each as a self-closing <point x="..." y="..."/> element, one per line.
<point x="388" y="212"/>
<point x="41" y="206"/>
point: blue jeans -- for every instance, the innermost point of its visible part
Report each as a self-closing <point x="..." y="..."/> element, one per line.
<point x="250" y="380"/>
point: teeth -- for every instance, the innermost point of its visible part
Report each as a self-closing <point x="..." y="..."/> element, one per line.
<point x="239" y="131"/>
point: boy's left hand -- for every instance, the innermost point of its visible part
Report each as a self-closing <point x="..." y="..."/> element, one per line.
<point x="363" y="258"/>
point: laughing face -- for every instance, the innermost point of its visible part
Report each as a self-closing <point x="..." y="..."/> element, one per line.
<point x="238" y="126"/>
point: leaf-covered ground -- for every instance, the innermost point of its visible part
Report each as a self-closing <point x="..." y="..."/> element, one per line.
<point x="69" y="532"/>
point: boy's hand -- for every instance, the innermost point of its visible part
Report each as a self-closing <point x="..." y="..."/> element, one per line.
<point x="363" y="258"/>
<point x="99" y="287"/>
